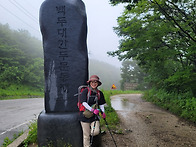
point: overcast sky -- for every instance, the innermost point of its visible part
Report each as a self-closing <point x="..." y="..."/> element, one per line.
<point x="101" y="18"/>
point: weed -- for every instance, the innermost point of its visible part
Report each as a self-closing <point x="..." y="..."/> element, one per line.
<point x="32" y="137"/>
<point x="181" y="104"/>
<point x="8" y="141"/>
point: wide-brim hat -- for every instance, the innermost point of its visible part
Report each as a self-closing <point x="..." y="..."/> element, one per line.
<point x="94" y="78"/>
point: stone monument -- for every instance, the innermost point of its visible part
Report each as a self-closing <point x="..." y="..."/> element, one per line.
<point x="64" y="29"/>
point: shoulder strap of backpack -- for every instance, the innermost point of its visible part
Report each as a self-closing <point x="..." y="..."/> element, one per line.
<point x="98" y="94"/>
<point x="88" y="94"/>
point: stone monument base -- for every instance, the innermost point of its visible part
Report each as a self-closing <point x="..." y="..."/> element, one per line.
<point x="61" y="130"/>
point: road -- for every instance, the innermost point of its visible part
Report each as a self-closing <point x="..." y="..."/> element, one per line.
<point x="16" y="115"/>
<point x="146" y="125"/>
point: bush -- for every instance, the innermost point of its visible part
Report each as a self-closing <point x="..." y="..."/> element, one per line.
<point x="183" y="104"/>
<point x="32" y="137"/>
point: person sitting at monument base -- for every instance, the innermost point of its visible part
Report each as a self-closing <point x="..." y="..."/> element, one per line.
<point x="94" y="103"/>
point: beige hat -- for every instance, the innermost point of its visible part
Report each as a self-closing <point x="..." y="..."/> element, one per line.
<point x="94" y="78"/>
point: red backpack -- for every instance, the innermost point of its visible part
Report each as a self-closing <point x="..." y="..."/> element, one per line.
<point x="80" y="89"/>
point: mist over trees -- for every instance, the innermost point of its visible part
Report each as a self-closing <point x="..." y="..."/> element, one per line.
<point x="108" y="74"/>
<point x="161" y="36"/>
<point x="131" y="73"/>
<point x="22" y="63"/>
<point x="21" y="58"/>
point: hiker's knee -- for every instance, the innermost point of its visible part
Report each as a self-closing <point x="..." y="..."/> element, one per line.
<point x="95" y="131"/>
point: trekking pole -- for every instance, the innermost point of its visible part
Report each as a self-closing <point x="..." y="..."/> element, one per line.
<point x="91" y="141"/>
<point x="110" y="132"/>
<point x="96" y="105"/>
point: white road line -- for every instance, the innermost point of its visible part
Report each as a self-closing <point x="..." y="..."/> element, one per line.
<point x="15" y="127"/>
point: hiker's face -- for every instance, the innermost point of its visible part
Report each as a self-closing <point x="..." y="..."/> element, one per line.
<point x="94" y="84"/>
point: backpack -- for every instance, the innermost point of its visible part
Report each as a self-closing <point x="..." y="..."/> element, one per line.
<point x="80" y="89"/>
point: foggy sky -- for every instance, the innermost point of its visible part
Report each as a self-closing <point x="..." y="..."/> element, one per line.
<point x="101" y="18"/>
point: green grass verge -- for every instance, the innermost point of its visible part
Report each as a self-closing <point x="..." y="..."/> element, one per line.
<point x="32" y="137"/>
<point x="181" y="104"/>
<point x="8" y="141"/>
<point x="20" y="91"/>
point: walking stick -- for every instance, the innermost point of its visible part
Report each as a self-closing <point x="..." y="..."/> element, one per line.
<point x="91" y="141"/>
<point x="110" y="132"/>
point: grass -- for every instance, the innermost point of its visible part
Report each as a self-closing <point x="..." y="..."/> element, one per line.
<point x="8" y="141"/>
<point x="181" y="104"/>
<point x="32" y="137"/>
<point x="18" y="91"/>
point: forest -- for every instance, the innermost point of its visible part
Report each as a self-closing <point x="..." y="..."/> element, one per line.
<point x="22" y="64"/>
<point x="21" y="59"/>
<point x="161" y="36"/>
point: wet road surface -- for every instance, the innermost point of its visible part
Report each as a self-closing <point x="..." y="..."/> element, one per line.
<point x="16" y="115"/>
<point x="146" y="125"/>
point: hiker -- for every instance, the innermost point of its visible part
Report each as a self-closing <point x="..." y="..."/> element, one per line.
<point x="91" y="99"/>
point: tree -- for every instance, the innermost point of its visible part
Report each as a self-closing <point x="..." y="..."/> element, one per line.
<point x="160" y="35"/>
<point x="34" y="73"/>
<point x="132" y="73"/>
<point x="21" y="59"/>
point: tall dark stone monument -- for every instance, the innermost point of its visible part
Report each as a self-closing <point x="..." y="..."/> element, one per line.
<point x="64" y="29"/>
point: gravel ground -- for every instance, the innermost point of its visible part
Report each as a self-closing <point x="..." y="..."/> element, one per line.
<point x="146" y="125"/>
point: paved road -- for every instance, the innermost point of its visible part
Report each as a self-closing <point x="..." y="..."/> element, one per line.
<point x="15" y="115"/>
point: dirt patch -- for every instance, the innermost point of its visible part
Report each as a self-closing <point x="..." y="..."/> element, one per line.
<point x="146" y="125"/>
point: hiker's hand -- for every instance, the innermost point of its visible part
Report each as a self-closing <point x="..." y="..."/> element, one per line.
<point x="95" y="111"/>
<point x="103" y="115"/>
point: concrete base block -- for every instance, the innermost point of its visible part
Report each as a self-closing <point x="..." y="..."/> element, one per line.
<point x="59" y="129"/>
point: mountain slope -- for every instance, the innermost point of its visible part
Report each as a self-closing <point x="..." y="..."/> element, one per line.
<point x="108" y="74"/>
